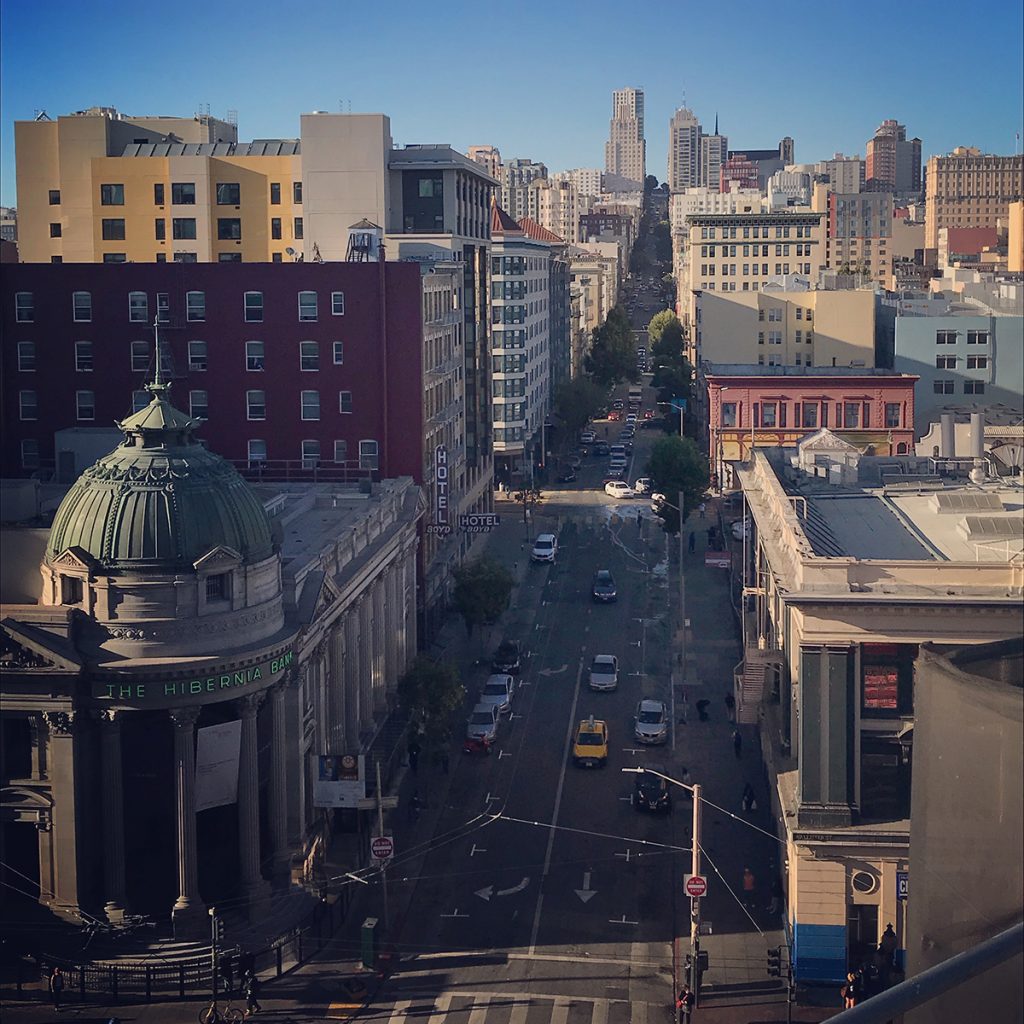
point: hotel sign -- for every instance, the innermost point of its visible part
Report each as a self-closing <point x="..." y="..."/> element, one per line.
<point x="157" y="692"/>
<point x="440" y="525"/>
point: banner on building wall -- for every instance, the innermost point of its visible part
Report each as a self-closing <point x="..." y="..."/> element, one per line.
<point x="217" y="751"/>
<point x="339" y="780"/>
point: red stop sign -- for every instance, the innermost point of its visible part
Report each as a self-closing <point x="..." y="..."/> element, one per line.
<point x="696" y="885"/>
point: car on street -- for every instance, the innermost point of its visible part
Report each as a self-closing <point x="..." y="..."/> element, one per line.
<point x="618" y="488"/>
<point x="651" y="793"/>
<point x="508" y="657"/>
<point x="650" y="724"/>
<point x="618" y="450"/>
<point x="545" y="547"/>
<point x="648" y="414"/>
<point x="656" y="499"/>
<point x="499" y="691"/>
<point x="482" y="725"/>
<point x="650" y="425"/>
<point x="643" y="485"/>
<point x="603" y="589"/>
<point x="615" y="414"/>
<point x="616" y="471"/>
<point x="590" y="747"/>
<point x="740" y="529"/>
<point x="587" y="437"/>
<point x="601" y="448"/>
<point x="604" y="672"/>
<point x="631" y="418"/>
<point x="618" y="403"/>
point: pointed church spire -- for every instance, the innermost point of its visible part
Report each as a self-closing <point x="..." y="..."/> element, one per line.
<point x="716" y="122"/>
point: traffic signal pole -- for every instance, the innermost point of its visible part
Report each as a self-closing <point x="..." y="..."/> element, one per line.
<point x="695" y="900"/>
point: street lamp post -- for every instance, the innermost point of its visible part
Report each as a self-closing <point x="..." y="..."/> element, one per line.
<point x="695" y="790"/>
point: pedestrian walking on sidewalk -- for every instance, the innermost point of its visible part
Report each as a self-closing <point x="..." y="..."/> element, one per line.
<point x="748" y="802"/>
<point x="685" y="1004"/>
<point x="413" y="750"/>
<point x="700" y="508"/>
<point x="692" y="543"/>
<point x="730" y="707"/>
<point x="749" y="889"/>
<point x="737" y="743"/>
<point x="252" y="996"/>
<point x="56" y="985"/>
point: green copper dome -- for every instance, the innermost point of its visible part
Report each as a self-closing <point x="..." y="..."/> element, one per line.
<point x="160" y="500"/>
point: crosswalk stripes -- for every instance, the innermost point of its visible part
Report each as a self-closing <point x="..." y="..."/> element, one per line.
<point x="502" y="1008"/>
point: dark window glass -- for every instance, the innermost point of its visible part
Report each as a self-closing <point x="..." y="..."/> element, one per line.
<point x="115" y="257"/>
<point x="183" y="227"/>
<point x="423" y="201"/>
<point x="55" y="230"/>
<point x="297" y="233"/>
<point x="229" y="194"/>
<point x="275" y="227"/>
<point x="113" y="229"/>
<point x="884" y="779"/>
<point x="183" y="193"/>
<point x="161" y="257"/>
<point x="275" y="193"/>
<point x="229" y="257"/>
<point x="160" y="227"/>
<point x="55" y="197"/>
<point x="158" y="194"/>
<point x="276" y="257"/>
<point x="229" y="228"/>
<point x="112" y="195"/>
<point x="297" y="192"/>
<point x="56" y="259"/>
<point x="892" y="414"/>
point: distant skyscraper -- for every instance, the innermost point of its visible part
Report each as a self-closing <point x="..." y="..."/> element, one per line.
<point x="489" y="157"/>
<point x="714" y="151"/>
<point x="893" y="163"/>
<point x="625" y="152"/>
<point x="515" y="177"/>
<point x="684" y="152"/>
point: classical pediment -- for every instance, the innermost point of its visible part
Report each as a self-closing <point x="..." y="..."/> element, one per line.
<point x="218" y="559"/>
<point x="23" y="646"/>
<point x="824" y="440"/>
<point x="74" y="558"/>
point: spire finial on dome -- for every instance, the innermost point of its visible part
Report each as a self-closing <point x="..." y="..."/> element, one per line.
<point x="158" y="387"/>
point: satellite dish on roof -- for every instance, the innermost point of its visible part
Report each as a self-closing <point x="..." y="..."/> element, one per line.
<point x="290" y="251"/>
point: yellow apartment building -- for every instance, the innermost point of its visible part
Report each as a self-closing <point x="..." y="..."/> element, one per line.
<point x="791" y="327"/>
<point x="99" y="187"/>
<point x="1015" y="238"/>
<point x="968" y="189"/>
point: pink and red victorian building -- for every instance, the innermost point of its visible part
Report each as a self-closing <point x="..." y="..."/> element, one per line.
<point x="775" y="406"/>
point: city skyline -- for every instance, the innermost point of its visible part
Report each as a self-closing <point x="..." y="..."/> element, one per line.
<point x="89" y="64"/>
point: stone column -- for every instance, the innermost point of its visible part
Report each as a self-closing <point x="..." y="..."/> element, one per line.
<point x="295" y="759"/>
<point x="113" y="814"/>
<point x="188" y="914"/>
<point x="61" y="763"/>
<point x="352" y="696"/>
<point x="379" y="641"/>
<point x="278" y="778"/>
<point x="365" y="661"/>
<point x="254" y="886"/>
<point x="37" y="737"/>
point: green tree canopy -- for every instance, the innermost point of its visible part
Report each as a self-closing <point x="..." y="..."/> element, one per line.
<point x="659" y="322"/>
<point x="431" y="690"/>
<point x="650" y="183"/>
<point x="483" y="590"/>
<point x="673" y="380"/>
<point x="577" y="401"/>
<point x="668" y="349"/>
<point x="612" y="356"/>
<point x="677" y="464"/>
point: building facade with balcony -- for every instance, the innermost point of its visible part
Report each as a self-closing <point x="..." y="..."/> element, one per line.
<point x="842" y="585"/>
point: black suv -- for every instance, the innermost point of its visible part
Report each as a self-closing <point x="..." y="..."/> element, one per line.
<point x="604" y="586"/>
<point x="651" y="793"/>
<point x="507" y="657"/>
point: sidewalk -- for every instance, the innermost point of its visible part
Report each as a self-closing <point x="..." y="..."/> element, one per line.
<point x="736" y="987"/>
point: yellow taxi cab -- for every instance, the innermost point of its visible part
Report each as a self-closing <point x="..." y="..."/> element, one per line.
<point x="590" y="748"/>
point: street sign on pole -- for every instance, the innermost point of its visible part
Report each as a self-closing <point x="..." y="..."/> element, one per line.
<point x="382" y="847"/>
<point x="902" y="884"/>
<point x="695" y="885"/>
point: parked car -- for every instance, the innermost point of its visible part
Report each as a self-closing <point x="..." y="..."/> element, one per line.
<point x="603" y="589"/>
<point x="618" y="403"/>
<point x="601" y="448"/>
<point x="615" y="414"/>
<point x="587" y="437"/>
<point x="616" y="471"/>
<point x="508" y="657"/>
<point x="617" y="449"/>
<point x="651" y="793"/>
<point x="650" y="724"/>
<point x="618" y="488"/>
<point x="499" y="691"/>
<point x="545" y="547"/>
<point x="604" y="672"/>
<point x="642" y="485"/>
<point x="482" y="726"/>
<point x="590" y="748"/>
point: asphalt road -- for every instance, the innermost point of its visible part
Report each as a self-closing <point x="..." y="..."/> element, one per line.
<point x="543" y="881"/>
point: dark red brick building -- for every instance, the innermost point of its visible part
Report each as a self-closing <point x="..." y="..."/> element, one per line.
<point x="294" y="365"/>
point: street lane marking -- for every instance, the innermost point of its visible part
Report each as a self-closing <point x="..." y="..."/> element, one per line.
<point x="442" y="1004"/>
<point x="637" y="1014"/>
<point x="476" y="849"/>
<point x="625" y="856"/>
<point x="455" y="913"/>
<point x="560" y="1011"/>
<point x="622" y="920"/>
<point x="519" y="1013"/>
<point x="399" y="1010"/>
<point x="478" y="1014"/>
<point x="558" y="803"/>
<point x="600" y="1014"/>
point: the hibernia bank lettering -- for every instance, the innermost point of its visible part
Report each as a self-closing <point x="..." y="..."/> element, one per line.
<point x="159" y="691"/>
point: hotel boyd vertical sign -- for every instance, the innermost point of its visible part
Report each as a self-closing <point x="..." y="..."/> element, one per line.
<point x="440" y="525"/>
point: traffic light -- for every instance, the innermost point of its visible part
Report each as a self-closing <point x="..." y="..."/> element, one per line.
<point x="775" y="962"/>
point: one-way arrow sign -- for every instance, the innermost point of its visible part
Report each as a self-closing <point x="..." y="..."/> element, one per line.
<point x="488" y="891"/>
<point x="586" y="892"/>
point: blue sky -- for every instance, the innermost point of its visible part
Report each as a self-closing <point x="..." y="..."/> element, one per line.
<point x="533" y="79"/>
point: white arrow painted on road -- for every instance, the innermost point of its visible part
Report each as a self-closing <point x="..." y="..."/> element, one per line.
<point x="586" y="892"/>
<point x="488" y="891"/>
<point x="552" y="671"/>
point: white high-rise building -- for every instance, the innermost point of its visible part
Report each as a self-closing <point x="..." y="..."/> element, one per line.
<point x="625" y="152"/>
<point x="714" y="151"/>
<point x="684" y="151"/>
<point x="516" y="176"/>
<point x="586" y="179"/>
